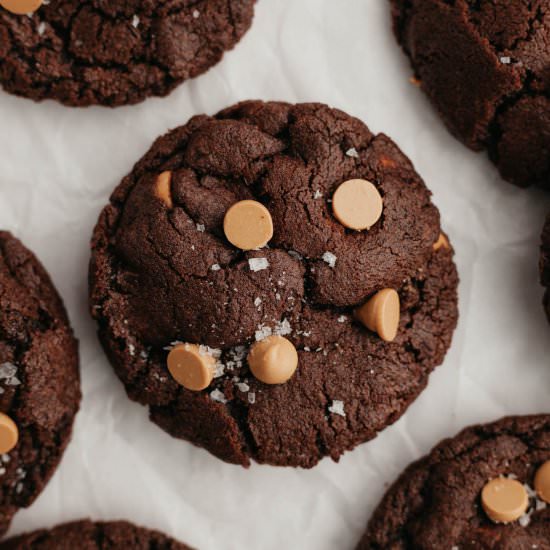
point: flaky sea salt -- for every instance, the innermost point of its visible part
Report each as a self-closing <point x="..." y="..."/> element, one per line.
<point x="505" y="60"/>
<point x="337" y="407"/>
<point x="131" y="349"/>
<point x="342" y="319"/>
<point x="201" y="227"/>
<point x="295" y="255"/>
<point x="252" y="398"/>
<point x="257" y="302"/>
<point x="282" y="328"/>
<point x="317" y="194"/>
<point x="330" y="259"/>
<point x="257" y="264"/>
<point x="41" y="28"/>
<point x="217" y="395"/>
<point x="352" y="153"/>
<point x="196" y="14"/>
<point x="263" y="332"/>
<point x="243" y="387"/>
<point x="8" y="372"/>
<point x="215" y="267"/>
<point x="135" y="21"/>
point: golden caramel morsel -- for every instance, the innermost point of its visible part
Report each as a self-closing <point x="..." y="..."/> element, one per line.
<point x="542" y="482"/>
<point x="357" y="204"/>
<point x="273" y="360"/>
<point x="9" y="434"/>
<point x="248" y="225"/>
<point x="191" y="367"/>
<point x="504" y="500"/>
<point x="163" y="188"/>
<point x="21" y="7"/>
<point x="442" y="242"/>
<point x="381" y="314"/>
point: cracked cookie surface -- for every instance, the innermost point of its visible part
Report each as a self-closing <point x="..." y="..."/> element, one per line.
<point x="39" y="378"/>
<point x="485" y="64"/>
<point x="159" y="275"/>
<point x="436" y="502"/>
<point x="116" y="52"/>
<point x="545" y="265"/>
<point x="87" y="535"/>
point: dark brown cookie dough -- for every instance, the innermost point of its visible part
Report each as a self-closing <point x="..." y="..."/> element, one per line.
<point x="545" y="264"/>
<point x="484" y="65"/>
<point x="117" y="52"/>
<point x="160" y="275"/>
<point x="436" y="502"/>
<point x="39" y="378"/>
<point x="87" y="535"/>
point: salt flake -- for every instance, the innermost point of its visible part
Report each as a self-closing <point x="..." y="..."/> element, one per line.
<point x="215" y="267"/>
<point x="352" y="153"/>
<point x="217" y="395"/>
<point x="337" y="407"/>
<point x="258" y="264"/>
<point x="330" y="259"/>
<point x="135" y="21"/>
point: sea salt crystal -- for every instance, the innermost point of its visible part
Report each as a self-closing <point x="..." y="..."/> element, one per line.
<point x="2" y="471"/>
<point x="6" y="458"/>
<point x="352" y="153"/>
<point x="317" y="194"/>
<point x="342" y="319"/>
<point x="525" y="520"/>
<point x="257" y="264"/>
<point x="295" y="255"/>
<point x="257" y="302"/>
<point x="252" y="398"/>
<point x="207" y="350"/>
<point x="132" y="349"/>
<point x="329" y="258"/>
<point x="337" y="407"/>
<point x="282" y="328"/>
<point x="243" y="387"/>
<point x="215" y="267"/>
<point x="200" y="227"/>
<point x="505" y="60"/>
<point x="41" y="28"/>
<point x="196" y="14"/>
<point x="217" y="395"/>
<point x="8" y="373"/>
<point x="19" y="488"/>
<point x="135" y="21"/>
<point x="263" y="332"/>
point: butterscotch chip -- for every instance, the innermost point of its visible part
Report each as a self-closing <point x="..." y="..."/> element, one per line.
<point x="248" y="225"/>
<point x="163" y="188"/>
<point x="273" y="360"/>
<point x="504" y="500"/>
<point x="542" y="482"/>
<point x="21" y="7"/>
<point x="442" y="242"/>
<point x="357" y="204"/>
<point x="9" y="434"/>
<point x="191" y="367"/>
<point x="381" y="314"/>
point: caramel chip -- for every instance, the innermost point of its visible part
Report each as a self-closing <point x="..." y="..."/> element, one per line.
<point x="273" y="360"/>
<point x="381" y="314"/>
<point x="9" y="434"/>
<point x="191" y="367"/>
<point x="21" y="7"/>
<point x="163" y="190"/>
<point x="248" y="225"/>
<point x="542" y="482"/>
<point x="442" y="242"/>
<point x="504" y="500"/>
<point x="357" y="204"/>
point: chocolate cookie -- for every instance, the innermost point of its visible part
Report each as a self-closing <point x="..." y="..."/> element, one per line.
<point x="484" y="65"/>
<point x="264" y="353"/>
<point x="86" y="535"/>
<point x="87" y="52"/>
<point x="486" y="488"/>
<point x="39" y="378"/>
<point x="545" y="264"/>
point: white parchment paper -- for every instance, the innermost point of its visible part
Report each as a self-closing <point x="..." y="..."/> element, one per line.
<point x="58" y="167"/>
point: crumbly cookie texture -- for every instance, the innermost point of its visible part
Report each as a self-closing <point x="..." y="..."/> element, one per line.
<point x="87" y="535"/>
<point x="545" y="264"/>
<point x="484" y="65"/>
<point x="39" y="378"/>
<point x="87" y="52"/>
<point x="163" y="275"/>
<point x="442" y="500"/>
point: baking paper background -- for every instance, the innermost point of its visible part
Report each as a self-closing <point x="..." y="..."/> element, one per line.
<point x="58" y="167"/>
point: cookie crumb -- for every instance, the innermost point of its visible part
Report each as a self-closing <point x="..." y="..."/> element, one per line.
<point x="330" y="259"/>
<point x="258" y="264"/>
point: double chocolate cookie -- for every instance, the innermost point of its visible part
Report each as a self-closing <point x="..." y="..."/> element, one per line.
<point x="118" y="52"/>
<point x="545" y="265"/>
<point x="86" y="535"/>
<point x="39" y="378"/>
<point x="489" y="487"/>
<point x="484" y="65"/>
<point x="273" y="283"/>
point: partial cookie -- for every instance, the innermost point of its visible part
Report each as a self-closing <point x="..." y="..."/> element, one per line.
<point x="87" y="535"/>
<point x="291" y="352"/>
<point x="39" y="378"/>
<point x="545" y="264"/>
<point x="88" y="52"/>
<point x="488" y="487"/>
<point x="484" y="65"/>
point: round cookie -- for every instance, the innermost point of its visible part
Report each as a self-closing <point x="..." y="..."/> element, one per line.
<point x="484" y="65"/>
<point x="444" y="500"/>
<point x="545" y="264"/>
<point x="39" y="378"/>
<point x="163" y="273"/>
<point x="88" y="52"/>
<point x="87" y="535"/>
